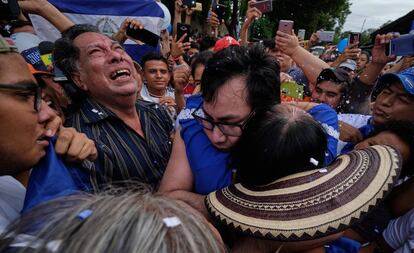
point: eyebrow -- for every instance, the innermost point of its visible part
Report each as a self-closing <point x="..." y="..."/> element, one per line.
<point x="223" y="118"/>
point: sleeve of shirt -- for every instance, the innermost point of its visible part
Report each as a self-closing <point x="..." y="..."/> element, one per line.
<point x="328" y="118"/>
<point x="400" y="232"/>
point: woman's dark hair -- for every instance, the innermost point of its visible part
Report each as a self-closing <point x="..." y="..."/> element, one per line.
<point x="206" y="42"/>
<point x="260" y="70"/>
<point x="278" y="143"/>
<point x="201" y="59"/>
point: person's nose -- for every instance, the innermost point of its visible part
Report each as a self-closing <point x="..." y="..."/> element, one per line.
<point x="116" y="56"/>
<point x="387" y="100"/>
<point x="218" y="136"/>
<point x="45" y="113"/>
<point x="322" y="98"/>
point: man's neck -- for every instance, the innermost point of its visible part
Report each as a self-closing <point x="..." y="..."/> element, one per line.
<point x="156" y="93"/>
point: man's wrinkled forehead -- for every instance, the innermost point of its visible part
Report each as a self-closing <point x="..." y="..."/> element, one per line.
<point x="92" y="39"/>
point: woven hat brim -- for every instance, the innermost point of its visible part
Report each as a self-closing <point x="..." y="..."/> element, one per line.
<point x="312" y="204"/>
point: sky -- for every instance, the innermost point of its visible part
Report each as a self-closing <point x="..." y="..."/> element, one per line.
<point x="376" y="12"/>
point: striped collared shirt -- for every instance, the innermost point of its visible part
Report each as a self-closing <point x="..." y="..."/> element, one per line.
<point x="122" y="153"/>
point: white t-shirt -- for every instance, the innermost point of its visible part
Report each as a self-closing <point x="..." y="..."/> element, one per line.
<point x="12" y="194"/>
<point x="147" y="96"/>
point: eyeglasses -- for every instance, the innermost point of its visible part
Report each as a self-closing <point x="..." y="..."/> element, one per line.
<point x="33" y="88"/>
<point x="228" y="129"/>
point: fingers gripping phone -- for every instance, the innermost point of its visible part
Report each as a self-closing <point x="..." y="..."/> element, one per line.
<point x="286" y="26"/>
<point x="183" y="29"/>
<point x="143" y="35"/>
<point x="264" y="6"/>
<point x="219" y="9"/>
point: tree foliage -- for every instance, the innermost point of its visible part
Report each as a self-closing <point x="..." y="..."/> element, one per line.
<point x="309" y="15"/>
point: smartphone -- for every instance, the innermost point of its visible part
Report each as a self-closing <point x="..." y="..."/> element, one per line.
<point x="199" y="7"/>
<point x="189" y="3"/>
<point x="58" y="75"/>
<point x="9" y="10"/>
<point x="292" y="89"/>
<point x="143" y="35"/>
<point x="402" y="46"/>
<point x="264" y="6"/>
<point x="220" y="10"/>
<point x="182" y="29"/>
<point x="301" y="34"/>
<point x="286" y="26"/>
<point x="353" y="38"/>
<point x="326" y="36"/>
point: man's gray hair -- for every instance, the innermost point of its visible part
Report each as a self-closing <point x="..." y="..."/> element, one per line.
<point x="128" y="222"/>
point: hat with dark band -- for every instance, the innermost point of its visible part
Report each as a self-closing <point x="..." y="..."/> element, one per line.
<point x="312" y="204"/>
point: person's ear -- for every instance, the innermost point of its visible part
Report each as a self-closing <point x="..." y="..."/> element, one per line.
<point x="77" y="79"/>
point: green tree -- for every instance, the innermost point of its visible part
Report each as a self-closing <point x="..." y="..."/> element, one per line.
<point x="308" y="15"/>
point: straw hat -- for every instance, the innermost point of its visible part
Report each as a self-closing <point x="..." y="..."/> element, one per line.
<point x="311" y="204"/>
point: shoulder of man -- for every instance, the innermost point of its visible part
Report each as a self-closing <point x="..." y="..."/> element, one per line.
<point x="155" y="109"/>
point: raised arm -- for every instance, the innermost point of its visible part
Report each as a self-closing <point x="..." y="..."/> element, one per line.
<point x="310" y="64"/>
<point x="252" y="14"/>
<point x="49" y="12"/>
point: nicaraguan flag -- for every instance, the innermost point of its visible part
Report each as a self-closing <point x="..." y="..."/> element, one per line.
<point x="107" y="15"/>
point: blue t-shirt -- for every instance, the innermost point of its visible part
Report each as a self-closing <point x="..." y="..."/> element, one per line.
<point x="52" y="178"/>
<point x="209" y="165"/>
<point x="365" y="131"/>
<point x="328" y="118"/>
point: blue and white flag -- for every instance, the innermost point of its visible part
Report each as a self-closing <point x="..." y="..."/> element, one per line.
<point x="107" y="15"/>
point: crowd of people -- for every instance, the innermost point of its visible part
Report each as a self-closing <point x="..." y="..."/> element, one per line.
<point x="206" y="144"/>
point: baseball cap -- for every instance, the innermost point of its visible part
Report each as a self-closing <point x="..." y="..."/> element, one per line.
<point x="333" y="74"/>
<point x="34" y="71"/>
<point x="405" y="77"/>
<point x="350" y="64"/>
<point x="27" y="44"/>
<point x="224" y="43"/>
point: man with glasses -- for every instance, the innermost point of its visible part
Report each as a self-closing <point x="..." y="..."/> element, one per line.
<point x="26" y="127"/>
<point x="237" y="85"/>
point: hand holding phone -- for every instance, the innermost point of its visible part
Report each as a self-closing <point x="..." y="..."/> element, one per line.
<point x="264" y="6"/>
<point x="183" y="29"/>
<point x="402" y="46"/>
<point x="220" y="11"/>
<point x="286" y="26"/>
<point x="143" y="35"/>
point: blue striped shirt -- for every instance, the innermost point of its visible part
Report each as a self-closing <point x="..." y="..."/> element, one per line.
<point x="122" y="153"/>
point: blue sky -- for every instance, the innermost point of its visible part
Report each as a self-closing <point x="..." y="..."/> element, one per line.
<point x="376" y="12"/>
